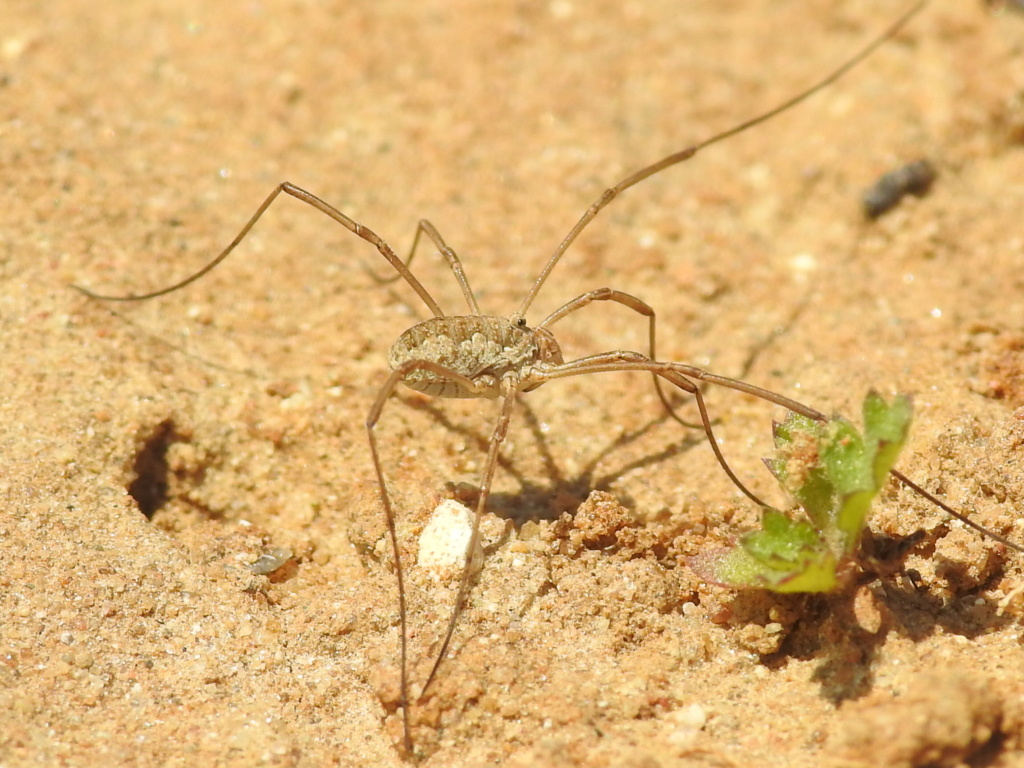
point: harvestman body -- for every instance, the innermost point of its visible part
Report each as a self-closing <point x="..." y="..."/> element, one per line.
<point x="485" y="356"/>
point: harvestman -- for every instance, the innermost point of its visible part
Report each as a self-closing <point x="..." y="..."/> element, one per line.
<point x="486" y="356"/>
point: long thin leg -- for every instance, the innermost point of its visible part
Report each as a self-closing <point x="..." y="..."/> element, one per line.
<point x="497" y="438"/>
<point x="904" y="480"/>
<point x="741" y="386"/>
<point x="389" y="514"/>
<point x="309" y="199"/>
<point x="637" y="305"/>
<point x="686" y="154"/>
<point x="715" y="447"/>
<point x="634" y="361"/>
<point x="454" y="263"/>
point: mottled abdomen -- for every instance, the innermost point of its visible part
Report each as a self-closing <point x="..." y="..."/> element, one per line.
<point x="480" y="347"/>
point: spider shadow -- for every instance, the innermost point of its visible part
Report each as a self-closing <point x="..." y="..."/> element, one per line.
<point x="535" y="501"/>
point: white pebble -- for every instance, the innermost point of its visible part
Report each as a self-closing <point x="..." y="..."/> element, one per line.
<point x="686" y="723"/>
<point x="445" y="538"/>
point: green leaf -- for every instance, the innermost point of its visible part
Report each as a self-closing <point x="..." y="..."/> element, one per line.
<point x="834" y="473"/>
<point x="885" y="428"/>
<point x="888" y="427"/>
<point x="844" y="458"/>
<point x="784" y="556"/>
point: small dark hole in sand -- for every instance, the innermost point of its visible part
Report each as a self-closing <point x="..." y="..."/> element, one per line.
<point x="149" y="488"/>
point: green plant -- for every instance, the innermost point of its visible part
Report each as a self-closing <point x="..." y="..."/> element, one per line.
<point x="833" y="472"/>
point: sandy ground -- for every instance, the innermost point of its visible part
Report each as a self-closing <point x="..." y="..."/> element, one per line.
<point x="136" y="138"/>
